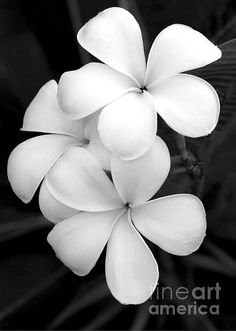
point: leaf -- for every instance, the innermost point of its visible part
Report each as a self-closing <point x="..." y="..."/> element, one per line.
<point x="173" y="281"/>
<point x="222" y="213"/>
<point x="22" y="226"/>
<point x="206" y="16"/>
<point x="219" y="149"/>
<point x="208" y="263"/>
<point x="30" y="278"/>
<point x="24" y="299"/>
<point x="221" y="75"/>
<point x="93" y="292"/>
<point x="141" y="317"/>
<point x="104" y="317"/>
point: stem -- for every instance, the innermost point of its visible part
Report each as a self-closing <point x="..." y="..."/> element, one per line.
<point x="176" y="160"/>
<point x="178" y="170"/>
<point x="181" y="144"/>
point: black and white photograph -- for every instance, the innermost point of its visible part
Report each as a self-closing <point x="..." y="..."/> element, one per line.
<point x="118" y="165"/>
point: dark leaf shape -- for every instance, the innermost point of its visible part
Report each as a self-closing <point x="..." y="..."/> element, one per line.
<point x="30" y="275"/>
<point x="218" y="149"/>
<point x="196" y="322"/>
<point x="222" y="214"/>
<point x="207" y="16"/>
<point x="221" y="75"/>
<point x="22" y="226"/>
<point x="94" y="291"/>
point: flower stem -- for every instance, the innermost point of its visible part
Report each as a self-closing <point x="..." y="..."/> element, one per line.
<point x="181" y="144"/>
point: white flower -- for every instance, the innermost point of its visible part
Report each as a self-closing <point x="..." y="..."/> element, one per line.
<point x="131" y="93"/>
<point x="113" y="215"/>
<point x="30" y="161"/>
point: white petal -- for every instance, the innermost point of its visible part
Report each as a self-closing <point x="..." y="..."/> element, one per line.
<point x="84" y="91"/>
<point x="30" y="161"/>
<point x="95" y="145"/>
<point x="89" y="126"/>
<point x="114" y="37"/>
<point x="45" y="115"/>
<point x="127" y="127"/>
<point x="51" y="208"/>
<point x="131" y="270"/>
<point x="78" y="181"/>
<point x="188" y="104"/>
<point x="138" y="180"/>
<point x="79" y="240"/>
<point x="176" y="223"/>
<point x="179" y="48"/>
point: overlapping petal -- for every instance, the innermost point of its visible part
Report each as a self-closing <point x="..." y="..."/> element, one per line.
<point x="95" y="145"/>
<point x="82" y="92"/>
<point x="30" y="161"/>
<point x="79" y="240"/>
<point x="127" y="127"/>
<point x="45" y="115"/>
<point x="188" y="104"/>
<point x="131" y="270"/>
<point x="114" y="37"/>
<point x="179" y="48"/>
<point x="89" y="126"/>
<point x="175" y="223"/>
<point x="78" y="181"/>
<point x="138" y="180"/>
<point x="53" y="209"/>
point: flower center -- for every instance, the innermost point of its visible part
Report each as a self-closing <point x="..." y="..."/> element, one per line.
<point x="143" y="89"/>
<point x="127" y="205"/>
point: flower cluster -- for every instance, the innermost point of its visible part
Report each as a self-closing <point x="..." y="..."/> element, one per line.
<point x="103" y="116"/>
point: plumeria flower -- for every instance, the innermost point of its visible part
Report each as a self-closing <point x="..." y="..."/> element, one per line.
<point x="30" y="161"/>
<point x="116" y="214"/>
<point x="130" y="92"/>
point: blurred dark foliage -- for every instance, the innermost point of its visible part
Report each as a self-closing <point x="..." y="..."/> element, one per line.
<point x="37" y="43"/>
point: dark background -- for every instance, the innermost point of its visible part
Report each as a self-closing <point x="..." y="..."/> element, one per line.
<point x="38" y="43"/>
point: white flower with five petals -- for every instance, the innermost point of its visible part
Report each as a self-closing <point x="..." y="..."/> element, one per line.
<point x="114" y="214"/>
<point x="130" y="93"/>
<point x="30" y="161"/>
